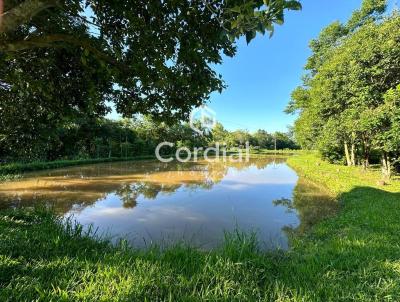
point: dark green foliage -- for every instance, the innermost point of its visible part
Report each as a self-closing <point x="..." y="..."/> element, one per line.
<point x="61" y="62"/>
<point x="99" y="138"/>
<point x="154" y="56"/>
<point x="44" y="91"/>
<point x="261" y="139"/>
<point x="349" y="101"/>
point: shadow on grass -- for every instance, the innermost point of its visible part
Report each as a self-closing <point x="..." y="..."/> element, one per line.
<point x="352" y="256"/>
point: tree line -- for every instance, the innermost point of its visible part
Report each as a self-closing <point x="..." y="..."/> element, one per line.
<point x="104" y="138"/>
<point x="349" y="102"/>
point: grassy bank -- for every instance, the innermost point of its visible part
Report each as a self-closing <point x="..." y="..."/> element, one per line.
<point x="354" y="256"/>
<point x="16" y="168"/>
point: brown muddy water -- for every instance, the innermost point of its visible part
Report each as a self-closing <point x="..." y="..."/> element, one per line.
<point x="148" y="202"/>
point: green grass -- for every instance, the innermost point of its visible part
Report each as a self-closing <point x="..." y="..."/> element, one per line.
<point x="8" y="170"/>
<point x="42" y="259"/>
<point x="272" y="152"/>
<point x="10" y="177"/>
<point x="353" y="256"/>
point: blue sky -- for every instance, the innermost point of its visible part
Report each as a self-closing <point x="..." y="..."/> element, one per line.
<point x="262" y="75"/>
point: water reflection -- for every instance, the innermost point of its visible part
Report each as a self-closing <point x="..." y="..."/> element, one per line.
<point x="311" y="202"/>
<point x="152" y="202"/>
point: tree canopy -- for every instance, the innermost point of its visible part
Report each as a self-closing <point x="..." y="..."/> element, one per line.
<point x="62" y="62"/>
<point x="156" y="54"/>
<point x="353" y="75"/>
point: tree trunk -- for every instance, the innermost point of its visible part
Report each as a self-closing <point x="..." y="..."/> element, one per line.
<point x="346" y="151"/>
<point x="366" y="162"/>
<point x="367" y="151"/>
<point x="386" y="166"/>
<point x="353" y="149"/>
<point x="353" y="154"/>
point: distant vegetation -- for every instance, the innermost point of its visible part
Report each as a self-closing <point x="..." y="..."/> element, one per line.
<point x="349" y="103"/>
<point x="103" y="138"/>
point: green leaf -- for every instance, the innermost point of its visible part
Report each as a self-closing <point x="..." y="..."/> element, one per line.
<point x="250" y="35"/>
<point x="236" y="9"/>
<point x="294" y="5"/>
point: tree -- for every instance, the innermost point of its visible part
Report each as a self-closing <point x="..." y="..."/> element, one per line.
<point x="386" y="119"/>
<point x="62" y="61"/>
<point x="219" y="134"/>
<point x="50" y="89"/>
<point x="241" y="137"/>
<point x="263" y="139"/>
<point x="343" y="99"/>
<point x="283" y="141"/>
<point x="157" y="53"/>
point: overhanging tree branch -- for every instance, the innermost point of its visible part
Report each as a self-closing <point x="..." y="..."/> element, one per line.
<point x="22" y="13"/>
<point x="63" y="41"/>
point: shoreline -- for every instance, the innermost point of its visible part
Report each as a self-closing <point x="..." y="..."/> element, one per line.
<point x="351" y="256"/>
<point x="16" y="168"/>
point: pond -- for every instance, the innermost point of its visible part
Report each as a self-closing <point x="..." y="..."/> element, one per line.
<point x="149" y="202"/>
